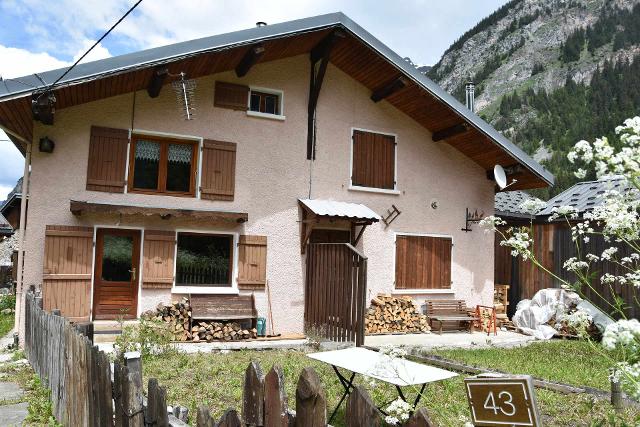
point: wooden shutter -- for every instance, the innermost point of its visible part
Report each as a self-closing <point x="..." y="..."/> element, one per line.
<point x="158" y="259"/>
<point x="252" y="262"/>
<point x="67" y="272"/>
<point x="423" y="262"/>
<point x="107" y="159"/>
<point x="218" y="170"/>
<point x="374" y="160"/>
<point x="233" y="96"/>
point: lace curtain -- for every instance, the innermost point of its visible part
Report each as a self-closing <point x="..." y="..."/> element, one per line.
<point x="180" y="153"/>
<point x="150" y="150"/>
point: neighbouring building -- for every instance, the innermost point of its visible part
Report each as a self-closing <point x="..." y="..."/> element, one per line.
<point x="553" y="245"/>
<point x="211" y="167"/>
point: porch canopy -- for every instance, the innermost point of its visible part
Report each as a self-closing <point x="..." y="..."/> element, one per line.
<point x="79" y="208"/>
<point x="316" y="211"/>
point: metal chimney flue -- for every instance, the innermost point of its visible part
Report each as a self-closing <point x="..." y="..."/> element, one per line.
<point x="470" y="90"/>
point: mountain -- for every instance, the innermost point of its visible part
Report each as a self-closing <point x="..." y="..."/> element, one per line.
<point x="549" y="73"/>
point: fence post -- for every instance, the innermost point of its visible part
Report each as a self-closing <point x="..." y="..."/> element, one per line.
<point x="181" y="413"/>
<point x="420" y="418"/>
<point x="616" y="396"/>
<point x="311" y="404"/>
<point x="157" y="415"/>
<point x="275" y="399"/>
<point x="361" y="411"/>
<point x="230" y="419"/>
<point x="133" y="387"/>
<point x="253" y="395"/>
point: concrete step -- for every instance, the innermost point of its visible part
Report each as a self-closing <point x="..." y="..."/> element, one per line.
<point x="106" y="331"/>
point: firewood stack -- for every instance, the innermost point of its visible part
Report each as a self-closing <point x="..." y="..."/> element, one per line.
<point x="178" y="316"/>
<point x="388" y="314"/>
<point x="216" y="331"/>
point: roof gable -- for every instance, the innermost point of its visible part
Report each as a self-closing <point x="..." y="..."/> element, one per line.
<point x="360" y="55"/>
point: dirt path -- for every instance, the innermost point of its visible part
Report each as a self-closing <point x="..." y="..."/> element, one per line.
<point x="13" y="410"/>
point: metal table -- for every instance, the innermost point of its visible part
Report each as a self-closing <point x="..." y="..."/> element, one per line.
<point x="397" y="371"/>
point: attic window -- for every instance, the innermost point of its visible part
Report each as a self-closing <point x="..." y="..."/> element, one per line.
<point x="265" y="103"/>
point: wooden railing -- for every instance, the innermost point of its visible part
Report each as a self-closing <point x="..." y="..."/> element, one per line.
<point x="335" y="292"/>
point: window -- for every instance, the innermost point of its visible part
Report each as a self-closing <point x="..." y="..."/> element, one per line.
<point x="423" y="262"/>
<point x="160" y="165"/>
<point x="263" y="102"/>
<point x="373" y="162"/>
<point x="204" y="260"/>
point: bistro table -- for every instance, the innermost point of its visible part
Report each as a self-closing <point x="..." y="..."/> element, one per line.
<point x="393" y="370"/>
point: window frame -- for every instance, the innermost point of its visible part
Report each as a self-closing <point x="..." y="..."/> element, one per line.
<point x="353" y="187"/>
<point x="266" y="91"/>
<point x="417" y="291"/>
<point x="165" y="141"/>
<point x="198" y="289"/>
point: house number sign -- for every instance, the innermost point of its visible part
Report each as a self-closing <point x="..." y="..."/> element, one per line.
<point x="502" y="401"/>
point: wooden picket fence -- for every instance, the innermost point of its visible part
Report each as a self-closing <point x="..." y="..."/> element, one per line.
<point x="264" y="403"/>
<point x="84" y="392"/>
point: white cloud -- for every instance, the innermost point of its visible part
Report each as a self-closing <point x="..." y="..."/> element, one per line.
<point x="19" y="62"/>
<point x="11" y="164"/>
<point x="98" y="52"/>
<point x="4" y="192"/>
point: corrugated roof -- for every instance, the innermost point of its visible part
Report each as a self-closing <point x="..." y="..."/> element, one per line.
<point x="160" y="55"/>
<point x="340" y="209"/>
<point x="585" y="196"/>
<point x="507" y="203"/>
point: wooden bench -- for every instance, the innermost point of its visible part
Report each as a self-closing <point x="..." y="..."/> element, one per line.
<point x="224" y="307"/>
<point x="449" y="311"/>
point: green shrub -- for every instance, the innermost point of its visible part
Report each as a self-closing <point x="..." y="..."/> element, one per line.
<point x="149" y="337"/>
<point x="7" y="301"/>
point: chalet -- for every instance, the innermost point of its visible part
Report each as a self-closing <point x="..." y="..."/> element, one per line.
<point x="303" y="163"/>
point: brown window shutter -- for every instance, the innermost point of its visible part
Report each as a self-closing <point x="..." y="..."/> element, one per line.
<point x="423" y="262"/>
<point x="107" y="159"/>
<point x="158" y="259"/>
<point x="233" y="96"/>
<point x="67" y="270"/>
<point x="374" y="160"/>
<point x="252" y="262"/>
<point x="218" y="180"/>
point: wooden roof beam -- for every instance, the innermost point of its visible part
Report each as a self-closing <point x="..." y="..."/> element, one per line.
<point x="388" y="89"/>
<point x="450" y="131"/>
<point x="157" y="80"/>
<point x="320" y="53"/>
<point x="250" y="58"/>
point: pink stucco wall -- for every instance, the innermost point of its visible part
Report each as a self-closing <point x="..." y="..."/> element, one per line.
<point x="272" y="173"/>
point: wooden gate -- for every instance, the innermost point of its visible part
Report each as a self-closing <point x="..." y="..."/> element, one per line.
<point x="335" y="292"/>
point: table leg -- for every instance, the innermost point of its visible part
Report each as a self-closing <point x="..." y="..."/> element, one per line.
<point x="419" y="396"/>
<point x="347" y="384"/>
<point x="400" y="393"/>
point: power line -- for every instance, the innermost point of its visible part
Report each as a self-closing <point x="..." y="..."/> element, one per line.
<point x="91" y="48"/>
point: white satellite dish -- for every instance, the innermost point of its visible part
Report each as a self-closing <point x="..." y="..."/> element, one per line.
<point x="500" y="176"/>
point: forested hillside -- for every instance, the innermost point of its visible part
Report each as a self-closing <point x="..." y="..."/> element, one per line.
<point x="549" y="73"/>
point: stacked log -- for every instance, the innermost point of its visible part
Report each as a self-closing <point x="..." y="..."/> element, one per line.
<point x="178" y="316"/>
<point x="388" y="314"/>
<point x="218" y="331"/>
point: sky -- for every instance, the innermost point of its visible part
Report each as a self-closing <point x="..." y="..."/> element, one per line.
<point x="39" y="35"/>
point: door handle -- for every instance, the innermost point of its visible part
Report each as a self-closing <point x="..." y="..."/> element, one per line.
<point x="133" y="274"/>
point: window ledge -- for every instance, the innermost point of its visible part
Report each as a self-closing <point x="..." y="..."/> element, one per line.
<point x="374" y="190"/>
<point x="266" y="115"/>
<point x="204" y="290"/>
<point x="422" y="291"/>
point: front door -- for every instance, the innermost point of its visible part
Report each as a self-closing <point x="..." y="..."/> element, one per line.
<point x="115" y="288"/>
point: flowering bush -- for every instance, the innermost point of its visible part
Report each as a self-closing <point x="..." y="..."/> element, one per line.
<point x="617" y="219"/>
<point x="398" y="412"/>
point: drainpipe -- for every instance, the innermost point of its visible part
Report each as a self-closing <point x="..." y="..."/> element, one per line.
<point x="23" y="231"/>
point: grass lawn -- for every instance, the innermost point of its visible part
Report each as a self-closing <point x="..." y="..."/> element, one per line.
<point x="568" y="361"/>
<point x="216" y="379"/>
<point x="6" y="323"/>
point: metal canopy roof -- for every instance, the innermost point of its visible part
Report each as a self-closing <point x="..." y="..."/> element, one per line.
<point x="340" y="209"/>
<point x="11" y="89"/>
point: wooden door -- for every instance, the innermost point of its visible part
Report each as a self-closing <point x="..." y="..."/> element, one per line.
<point x="115" y="285"/>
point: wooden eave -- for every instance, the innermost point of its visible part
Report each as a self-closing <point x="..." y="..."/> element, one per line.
<point x="350" y="54"/>
<point x="79" y="208"/>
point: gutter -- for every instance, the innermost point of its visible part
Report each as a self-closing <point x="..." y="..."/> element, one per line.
<point x="21" y="249"/>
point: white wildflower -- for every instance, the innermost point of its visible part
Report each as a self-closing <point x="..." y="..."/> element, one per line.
<point x="532" y="206"/>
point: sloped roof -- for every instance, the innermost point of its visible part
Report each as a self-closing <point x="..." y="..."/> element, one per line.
<point x="507" y="203"/>
<point x="333" y="208"/>
<point x="586" y="195"/>
<point x="15" y="194"/>
<point x="132" y="72"/>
